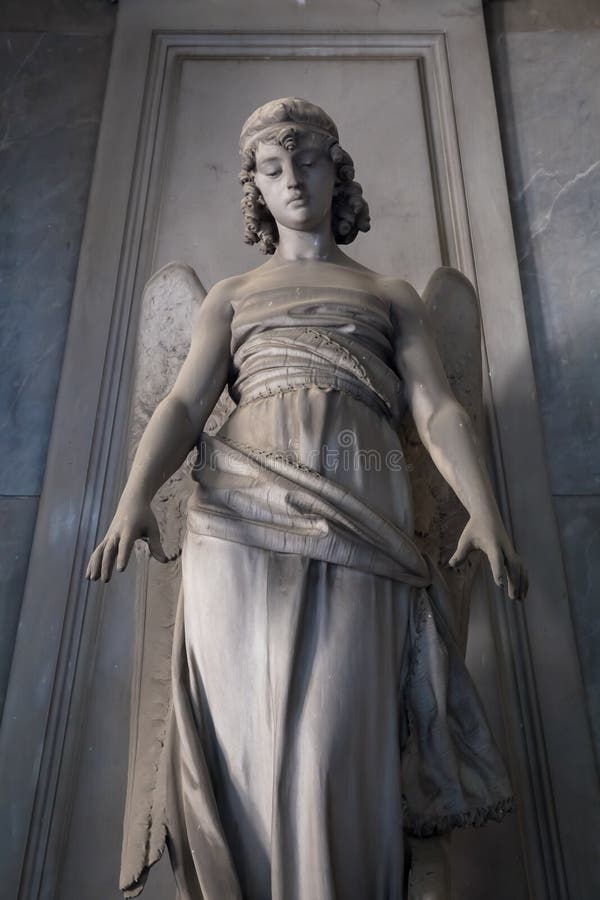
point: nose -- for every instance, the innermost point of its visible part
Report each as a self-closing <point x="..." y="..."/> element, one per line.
<point x="293" y="178"/>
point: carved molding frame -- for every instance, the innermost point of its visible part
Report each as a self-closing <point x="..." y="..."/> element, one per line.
<point x="52" y="666"/>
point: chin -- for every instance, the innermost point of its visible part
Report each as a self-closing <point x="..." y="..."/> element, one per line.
<point x="303" y="220"/>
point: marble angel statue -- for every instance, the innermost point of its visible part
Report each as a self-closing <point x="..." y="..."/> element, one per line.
<point x="311" y="730"/>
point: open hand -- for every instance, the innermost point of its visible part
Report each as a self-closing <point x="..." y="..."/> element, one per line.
<point x="491" y="537"/>
<point x="132" y="521"/>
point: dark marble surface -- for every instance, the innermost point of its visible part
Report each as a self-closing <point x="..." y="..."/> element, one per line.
<point x="579" y="520"/>
<point x="549" y="109"/>
<point x="543" y="15"/>
<point x="51" y="102"/>
<point x="17" y="521"/>
<point x="57" y="15"/>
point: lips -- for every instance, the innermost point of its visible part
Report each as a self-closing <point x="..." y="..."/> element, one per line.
<point x="296" y="198"/>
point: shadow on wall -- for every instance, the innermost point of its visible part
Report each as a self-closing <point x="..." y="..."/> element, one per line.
<point x="550" y="120"/>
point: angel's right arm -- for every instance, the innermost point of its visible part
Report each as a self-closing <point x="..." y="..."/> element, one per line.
<point x="174" y="428"/>
<point x="179" y="418"/>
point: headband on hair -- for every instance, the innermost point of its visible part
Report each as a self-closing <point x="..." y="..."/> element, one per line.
<point x="255" y="136"/>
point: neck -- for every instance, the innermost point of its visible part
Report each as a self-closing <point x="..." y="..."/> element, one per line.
<point x="318" y="244"/>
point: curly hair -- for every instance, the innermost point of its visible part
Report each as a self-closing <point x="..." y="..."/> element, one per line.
<point x="275" y="123"/>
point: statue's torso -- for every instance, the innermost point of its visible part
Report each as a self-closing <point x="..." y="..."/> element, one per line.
<point x="313" y="377"/>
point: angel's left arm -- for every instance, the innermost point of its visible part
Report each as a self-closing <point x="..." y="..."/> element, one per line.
<point x="449" y="437"/>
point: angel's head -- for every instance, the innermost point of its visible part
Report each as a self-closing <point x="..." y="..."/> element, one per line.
<point x="295" y="172"/>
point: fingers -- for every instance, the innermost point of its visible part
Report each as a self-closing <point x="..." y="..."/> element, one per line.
<point x="510" y="574"/>
<point x="512" y="587"/>
<point x="464" y="547"/>
<point x="102" y="560"/>
<point x="519" y="580"/>
<point x="117" y="546"/>
<point x="156" y="548"/>
<point x="507" y="569"/>
<point x="125" y="547"/>
<point x="497" y="566"/>
<point x="95" y="563"/>
<point x="108" y="558"/>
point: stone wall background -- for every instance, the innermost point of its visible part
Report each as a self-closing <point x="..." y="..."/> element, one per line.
<point x="54" y="58"/>
<point x="546" y="67"/>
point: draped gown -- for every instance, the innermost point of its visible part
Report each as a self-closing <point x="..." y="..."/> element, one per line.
<point x="320" y="708"/>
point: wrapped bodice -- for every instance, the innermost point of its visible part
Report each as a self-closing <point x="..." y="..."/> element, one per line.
<point x="288" y="338"/>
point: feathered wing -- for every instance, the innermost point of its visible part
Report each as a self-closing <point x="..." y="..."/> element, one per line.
<point x="170" y="302"/>
<point x="439" y="516"/>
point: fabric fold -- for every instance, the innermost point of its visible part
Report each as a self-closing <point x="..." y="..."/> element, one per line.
<point x="253" y="497"/>
<point x="452" y="771"/>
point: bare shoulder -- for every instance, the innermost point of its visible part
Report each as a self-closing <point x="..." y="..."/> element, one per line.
<point x="221" y="297"/>
<point x="405" y="302"/>
<point x="236" y="287"/>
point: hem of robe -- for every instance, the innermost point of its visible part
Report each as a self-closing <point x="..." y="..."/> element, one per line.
<point x="475" y="818"/>
<point x="259" y="499"/>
